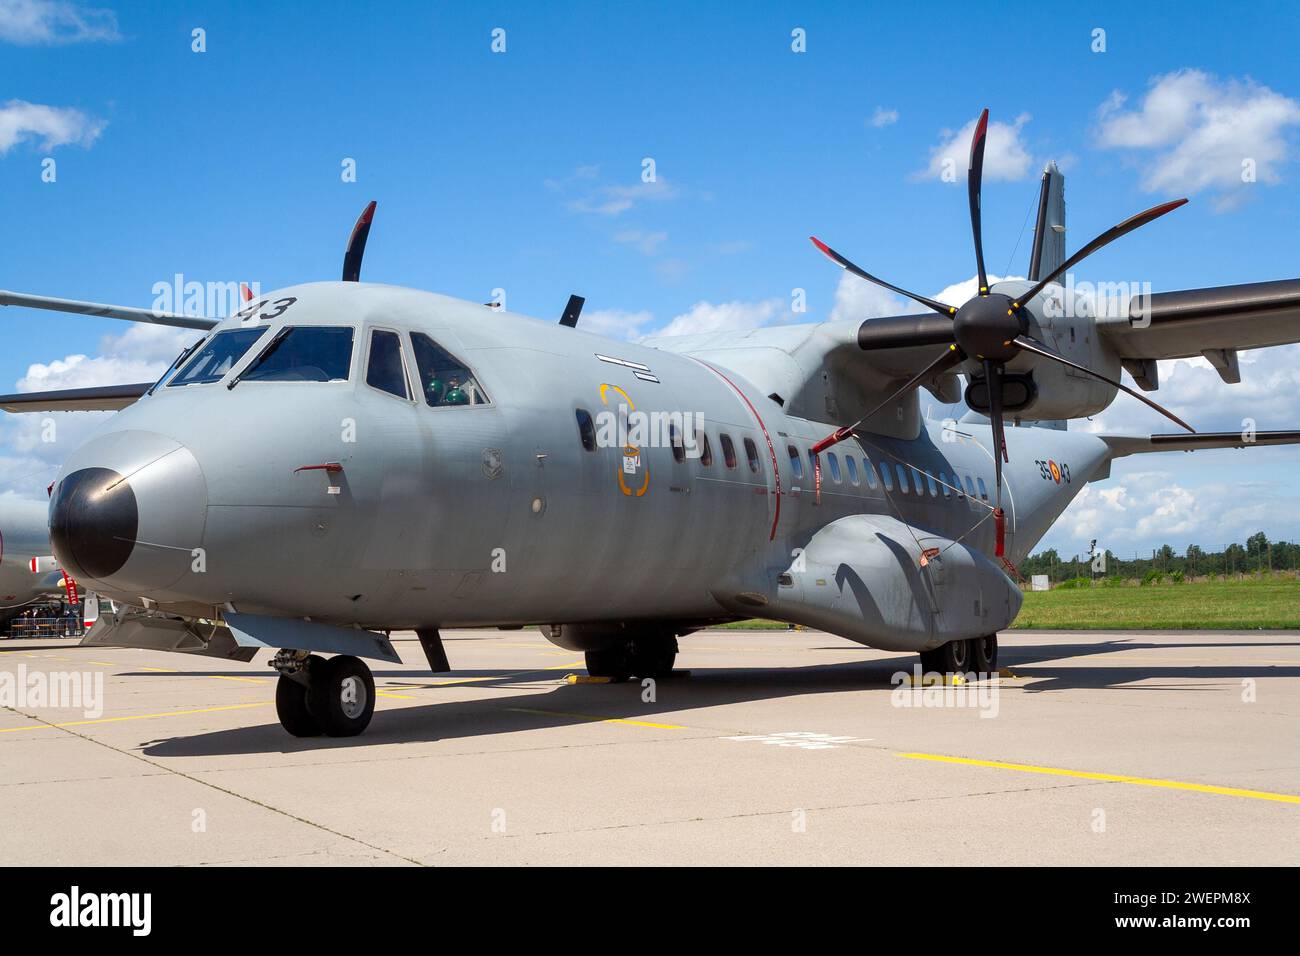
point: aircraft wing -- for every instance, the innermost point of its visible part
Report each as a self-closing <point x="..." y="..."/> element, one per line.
<point x="1215" y="323"/>
<point x="1122" y="445"/>
<point x="99" y="398"/>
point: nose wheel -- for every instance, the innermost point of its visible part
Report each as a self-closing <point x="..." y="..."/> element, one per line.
<point x="334" y="697"/>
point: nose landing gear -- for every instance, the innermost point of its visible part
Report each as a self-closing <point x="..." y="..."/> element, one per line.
<point x="316" y="695"/>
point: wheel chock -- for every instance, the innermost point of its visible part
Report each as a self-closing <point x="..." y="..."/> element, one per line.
<point x="937" y="680"/>
<point x="1007" y="672"/>
<point x="586" y="679"/>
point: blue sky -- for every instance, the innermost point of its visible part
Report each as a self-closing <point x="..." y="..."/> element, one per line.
<point x="522" y="170"/>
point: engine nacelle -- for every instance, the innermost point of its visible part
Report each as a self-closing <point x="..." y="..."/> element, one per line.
<point x="1037" y="389"/>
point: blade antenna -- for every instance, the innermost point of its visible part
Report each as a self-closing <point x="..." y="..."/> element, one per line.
<point x="357" y="244"/>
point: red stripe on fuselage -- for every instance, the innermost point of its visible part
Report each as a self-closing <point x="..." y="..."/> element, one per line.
<point x="771" y="449"/>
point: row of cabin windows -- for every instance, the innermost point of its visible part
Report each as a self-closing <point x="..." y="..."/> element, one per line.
<point x="919" y="482"/>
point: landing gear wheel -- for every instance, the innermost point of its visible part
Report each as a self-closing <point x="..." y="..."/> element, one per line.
<point x="342" y="695"/>
<point x="984" y="654"/>
<point x="654" y="658"/>
<point x="951" y="658"/>
<point x="613" y="662"/>
<point x="291" y="708"/>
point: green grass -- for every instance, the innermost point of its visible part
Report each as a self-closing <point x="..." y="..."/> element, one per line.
<point x="1203" y="605"/>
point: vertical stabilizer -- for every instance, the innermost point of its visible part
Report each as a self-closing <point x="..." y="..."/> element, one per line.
<point x="1048" y="250"/>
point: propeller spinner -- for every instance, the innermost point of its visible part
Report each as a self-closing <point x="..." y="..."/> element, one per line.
<point x="990" y="328"/>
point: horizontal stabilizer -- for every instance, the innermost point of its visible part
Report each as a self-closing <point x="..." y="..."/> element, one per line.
<point x="101" y="398"/>
<point x="108" y="311"/>
<point x="1122" y="445"/>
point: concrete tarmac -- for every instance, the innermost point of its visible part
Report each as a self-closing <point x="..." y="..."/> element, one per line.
<point x="779" y="748"/>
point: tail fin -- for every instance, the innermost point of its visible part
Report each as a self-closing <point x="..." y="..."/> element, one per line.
<point x="1048" y="251"/>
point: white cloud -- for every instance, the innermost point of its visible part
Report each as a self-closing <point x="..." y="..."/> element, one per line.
<point x="615" y="200"/>
<point x="883" y="117"/>
<point x="1005" y="156"/>
<point x="724" y="316"/>
<point x="1142" y="509"/>
<point x="960" y="292"/>
<point x="615" y="323"/>
<point x="1196" y="131"/>
<point x="54" y="125"/>
<point x="859" y="299"/>
<point x="37" y="22"/>
<point x="28" y="458"/>
<point x="644" y="241"/>
<point x="1192" y="389"/>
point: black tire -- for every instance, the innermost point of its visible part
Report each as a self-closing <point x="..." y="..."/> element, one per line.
<point x="654" y="658"/>
<point x="342" y="696"/>
<point x="951" y="658"/>
<point x="984" y="654"/>
<point x="291" y="708"/>
<point x="613" y="662"/>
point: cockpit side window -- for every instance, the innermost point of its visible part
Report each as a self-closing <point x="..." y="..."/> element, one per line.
<point x="217" y="357"/>
<point x="384" y="369"/>
<point x="304" y="353"/>
<point x="443" y="378"/>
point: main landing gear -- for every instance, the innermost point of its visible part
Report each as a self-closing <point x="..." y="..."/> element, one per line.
<point x="316" y="695"/>
<point x="978" y="654"/>
<point x="636" y="657"/>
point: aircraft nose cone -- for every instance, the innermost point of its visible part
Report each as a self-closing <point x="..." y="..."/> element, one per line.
<point x="129" y="513"/>
<point x="94" y="519"/>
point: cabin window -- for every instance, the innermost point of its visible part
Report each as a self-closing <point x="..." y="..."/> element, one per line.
<point x="934" y="489"/>
<point x="870" y="470"/>
<point x="984" y="492"/>
<point x="796" y="463"/>
<point x="943" y="483"/>
<point x="384" y="369"/>
<point x="751" y="453"/>
<point x="970" y="487"/>
<point x="728" y="450"/>
<point x="586" y="429"/>
<point x="678" y="443"/>
<point x="706" y="452"/>
<point x="444" y="380"/>
<point x="304" y="354"/>
<point x="217" y="357"/>
<point x="834" y="464"/>
<point x="902" y="477"/>
<point x="885" y="477"/>
<point x="851" y="464"/>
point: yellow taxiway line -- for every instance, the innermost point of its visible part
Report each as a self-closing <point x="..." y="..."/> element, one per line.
<point x="1110" y="777"/>
<point x="113" y="720"/>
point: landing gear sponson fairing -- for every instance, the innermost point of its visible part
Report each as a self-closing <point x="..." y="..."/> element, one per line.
<point x="341" y="459"/>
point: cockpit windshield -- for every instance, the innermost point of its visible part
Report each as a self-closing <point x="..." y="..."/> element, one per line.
<point x="217" y="357"/>
<point x="304" y="354"/>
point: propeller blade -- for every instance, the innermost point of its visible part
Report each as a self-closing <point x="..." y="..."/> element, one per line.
<point x="904" y="332"/>
<point x="951" y="357"/>
<point x="1030" y="344"/>
<point x="974" y="178"/>
<point x="357" y="244"/>
<point x="1105" y="239"/>
<point x="993" y="376"/>
<point x="843" y="263"/>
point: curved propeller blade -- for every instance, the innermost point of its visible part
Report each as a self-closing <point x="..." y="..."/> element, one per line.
<point x="951" y="357"/>
<point x="1106" y="238"/>
<point x="974" y="178"/>
<point x="843" y="263"/>
<point x="993" y="376"/>
<point x="1030" y="344"/>
<point x="357" y="244"/>
<point x="904" y="332"/>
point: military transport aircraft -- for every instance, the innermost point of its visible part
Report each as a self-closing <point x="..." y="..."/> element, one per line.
<point x="29" y="574"/>
<point x="341" y="459"/>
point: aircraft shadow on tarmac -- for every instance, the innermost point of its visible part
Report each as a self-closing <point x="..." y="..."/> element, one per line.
<point x="576" y="704"/>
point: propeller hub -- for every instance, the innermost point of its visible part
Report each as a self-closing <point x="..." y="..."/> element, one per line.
<point x="986" y="327"/>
